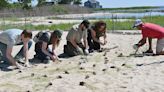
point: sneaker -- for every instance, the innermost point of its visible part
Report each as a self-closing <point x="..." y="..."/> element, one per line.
<point x="148" y="53"/>
<point x="20" y="60"/>
<point x="91" y="51"/>
<point x="46" y="61"/>
<point x="13" y="67"/>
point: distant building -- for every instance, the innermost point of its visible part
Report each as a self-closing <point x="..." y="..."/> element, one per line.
<point x="92" y="4"/>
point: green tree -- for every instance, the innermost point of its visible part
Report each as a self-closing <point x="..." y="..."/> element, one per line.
<point x="77" y="2"/>
<point x="3" y="4"/>
<point x="65" y="1"/>
<point x="41" y="2"/>
<point x="26" y="4"/>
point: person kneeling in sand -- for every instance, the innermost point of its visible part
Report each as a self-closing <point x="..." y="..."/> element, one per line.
<point x="75" y="36"/>
<point x="11" y="38"/>
<point x="43" y="40"/>
<point x="94" y="33"/>
<point x="150" y="31"/>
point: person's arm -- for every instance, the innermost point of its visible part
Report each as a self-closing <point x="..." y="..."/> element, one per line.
<point x="9" y="56"/>
<point x="85" y="40"/>
<point x="141" y="42"/>
<point x="105" y="41"/>
<point x="25" y="49"/>
<point x="44" y="50"/>
<point x="54" y="53"/>
<point x="85" y="43"/>
<point x="93" y="34"/>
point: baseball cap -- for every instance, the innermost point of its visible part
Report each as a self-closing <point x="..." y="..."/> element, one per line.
<point x="86" y="23"/>
<point x="58" y="33"/>
<point x="137" y="23"/>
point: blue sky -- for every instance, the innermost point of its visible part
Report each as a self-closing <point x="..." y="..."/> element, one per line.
<point x="125" y="3"/>
<point x="130" y="3"/>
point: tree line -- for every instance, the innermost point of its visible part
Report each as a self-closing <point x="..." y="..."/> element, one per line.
<point x="26" y="4"/>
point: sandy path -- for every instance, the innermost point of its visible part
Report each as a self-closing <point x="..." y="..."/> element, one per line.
<point x="100" y="72"/>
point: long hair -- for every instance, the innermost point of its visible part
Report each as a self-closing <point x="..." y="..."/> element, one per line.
<point x="99" y="24"/>
<point x="54" y="39"/>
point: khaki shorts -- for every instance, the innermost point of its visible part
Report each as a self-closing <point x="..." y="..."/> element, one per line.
<point x="160" y="45"/>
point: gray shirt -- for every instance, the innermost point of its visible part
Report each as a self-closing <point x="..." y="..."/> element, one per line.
<point x="79" y="34"/>
<point x="11" y="37"/>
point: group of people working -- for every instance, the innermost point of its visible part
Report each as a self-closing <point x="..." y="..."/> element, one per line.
<point x="82" y="39"/>
<point x="74" y="46"/>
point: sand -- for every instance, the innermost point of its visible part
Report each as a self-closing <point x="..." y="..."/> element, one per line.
<point x="58" y="19"/>
<point x="115" y="70"/>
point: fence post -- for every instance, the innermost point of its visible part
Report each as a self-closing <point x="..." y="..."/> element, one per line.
<point x="113" y="26"/>
<point x="150" y="15"/>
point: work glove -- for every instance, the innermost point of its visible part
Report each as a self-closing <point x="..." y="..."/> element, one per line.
<point x="135" y="46"/>
<point x="80" y="51"/>
<point x="86" y="52"/>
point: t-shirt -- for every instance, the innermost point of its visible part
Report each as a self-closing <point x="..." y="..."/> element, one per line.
<point x="98" y="33"/>
<point x="11" y="37"/>
<point x="44" y="38"/>
<point x="152" y="30"/>
<point x="79" y="34"/>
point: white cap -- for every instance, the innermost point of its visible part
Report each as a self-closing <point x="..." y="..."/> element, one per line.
<point x="137" y="23"/>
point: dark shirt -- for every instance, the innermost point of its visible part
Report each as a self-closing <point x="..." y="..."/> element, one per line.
<point x="44" y="38"/>
<point x="98" y="33"/>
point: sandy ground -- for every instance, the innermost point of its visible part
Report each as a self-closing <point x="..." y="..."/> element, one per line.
<point x="114" y="70"/>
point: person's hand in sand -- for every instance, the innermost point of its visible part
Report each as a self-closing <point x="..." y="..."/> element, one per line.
<point x="27" y="64"/>
<point x="86" y="52"/>
<point x="135" y="46"/>
<point x="79" y="50"/>
<point x="105" y="41"/>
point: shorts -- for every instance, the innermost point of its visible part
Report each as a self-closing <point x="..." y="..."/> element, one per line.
<point x="160" y="45"/>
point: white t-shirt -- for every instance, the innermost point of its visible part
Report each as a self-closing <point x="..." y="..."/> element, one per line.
<point x="11" y="37"/>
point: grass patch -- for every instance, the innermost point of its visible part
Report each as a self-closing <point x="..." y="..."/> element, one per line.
<point x="129" y="9"/>
<point x="127" y="25"/>
<point x="116" y="25"/>
<point x="10" y="19"/>
<point x="66" y="26"/>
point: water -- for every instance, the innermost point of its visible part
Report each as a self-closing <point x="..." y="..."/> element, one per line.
<point x="126" y="15"/>
<point x="150" y="12"/>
